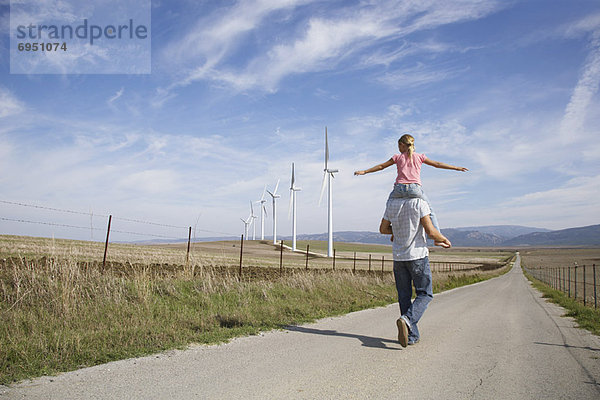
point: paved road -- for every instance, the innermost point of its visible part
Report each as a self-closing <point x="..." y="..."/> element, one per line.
<point x="494" y="340"/>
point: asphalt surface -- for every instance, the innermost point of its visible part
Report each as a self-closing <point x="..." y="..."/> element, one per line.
<point x="493" y="340"/>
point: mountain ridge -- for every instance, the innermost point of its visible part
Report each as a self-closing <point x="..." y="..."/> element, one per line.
<point x="476" y="236"/>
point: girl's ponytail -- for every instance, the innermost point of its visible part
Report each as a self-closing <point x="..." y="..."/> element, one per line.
<point x="409" y="141"/>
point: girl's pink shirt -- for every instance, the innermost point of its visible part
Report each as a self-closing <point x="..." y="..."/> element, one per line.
<point x="408" y="172"/>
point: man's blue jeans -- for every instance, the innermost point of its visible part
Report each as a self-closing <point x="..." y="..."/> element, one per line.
<point x="407" y="273"/>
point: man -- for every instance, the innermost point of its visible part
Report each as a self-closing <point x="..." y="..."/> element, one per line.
<point x="408" y="220"/>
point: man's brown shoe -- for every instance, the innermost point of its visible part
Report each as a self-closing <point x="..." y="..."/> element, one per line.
<point x="402" y="332"/>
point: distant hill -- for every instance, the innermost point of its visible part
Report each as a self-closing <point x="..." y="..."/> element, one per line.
<point x="486" y="236"/>
<point x="584" y="236"/>
<point x="468" y="238"/>
<point x="477" y="236"/>
<point x="347" y="236"/>
<point x="504" y="231"/>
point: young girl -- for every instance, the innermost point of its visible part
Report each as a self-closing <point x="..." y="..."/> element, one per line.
<point x="408" y="163"/>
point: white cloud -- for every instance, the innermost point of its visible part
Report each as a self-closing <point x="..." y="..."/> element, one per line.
<point x="9" y="104"/>
<point x="587" y="86"/>
<point x="116" y="96"/>
<point x="419" y="74"/>
<point x="323" y="44"/>
<point x="568" y="205"/>
<point x="215" y="35"/>
<point x="576" y="192"/>
<point x="152" y="181"/>
<point x="213" y="38"/>
<point x="586" y="25"/>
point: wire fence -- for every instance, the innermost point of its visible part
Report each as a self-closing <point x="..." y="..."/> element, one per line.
<point x="242" y="256"/>
<point x="368" y="261"/>
<point x="577" y="282"/>
<point x="171" y="231"/>
<point x="255" y="254"/>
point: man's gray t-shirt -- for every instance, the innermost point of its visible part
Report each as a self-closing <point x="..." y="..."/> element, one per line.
<point x="410" y="240"/>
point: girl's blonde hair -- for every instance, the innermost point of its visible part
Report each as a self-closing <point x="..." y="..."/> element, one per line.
<point x="409" y="141"/>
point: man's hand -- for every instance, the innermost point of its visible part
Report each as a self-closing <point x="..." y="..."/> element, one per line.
<point x="443" y="243"/>
<point x="385" y="227"/>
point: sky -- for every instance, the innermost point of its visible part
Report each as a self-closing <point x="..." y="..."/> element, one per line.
<point x="239" y="90"/>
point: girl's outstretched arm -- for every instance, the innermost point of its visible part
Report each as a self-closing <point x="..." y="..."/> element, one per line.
<point x="376" y="168"/>
<point x="442" y="165"/>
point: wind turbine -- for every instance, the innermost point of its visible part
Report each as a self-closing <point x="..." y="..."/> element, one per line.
<point x="292" y="208"/>
<point x="263" y="213"/>
<point x="252" y="218"/>
<point x="327" y="175"/>
<point x="246" y="223"/>
<point x="274" y="195"/>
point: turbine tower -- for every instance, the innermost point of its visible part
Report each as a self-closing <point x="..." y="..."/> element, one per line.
<point x="292" y="209"/>
<point x="252" y="218"/>
<point x="263" y="213"/>
<point x="275" y="196"/>
<point x="327" y="176"/>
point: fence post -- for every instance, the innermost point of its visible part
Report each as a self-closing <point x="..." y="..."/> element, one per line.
<point x="106" y="245"/>
<point x="382" y="262"/>
<point x="281" y="257"/>
<point x="354" y="266"/>
<point x="558" y="278"/>
<point x="584" y="284"/>
<point x="369" y="263"/>
<point x="595" y="297"/>
<point x="569" y="280"/>
<point x="334" y="259"/>
<point x="241" y="253"/>
<point x="187" y="256"/>
<point x="575" y="282"/>
<point x="307" y="246"/>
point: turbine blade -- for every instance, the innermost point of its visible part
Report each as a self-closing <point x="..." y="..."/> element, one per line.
<point x="323" y="187"/>
<point x="276" y="186"/>
<point x="326" y="149"/>
<point x="293" y="177"/>
<point x="263" y="194"/>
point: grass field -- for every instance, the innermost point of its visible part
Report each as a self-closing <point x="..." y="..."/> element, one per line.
<point x="61" y="310"/>
<point x="560" y="257"/>
<point x="361" y="248"/>
<point x="564" y="275"/>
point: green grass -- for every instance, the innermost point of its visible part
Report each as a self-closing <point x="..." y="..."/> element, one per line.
<point x="58" y="317"/>
<point x="586" y="317"/>
<point x="321" y="246"/>
<point x="59" y="314"/>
